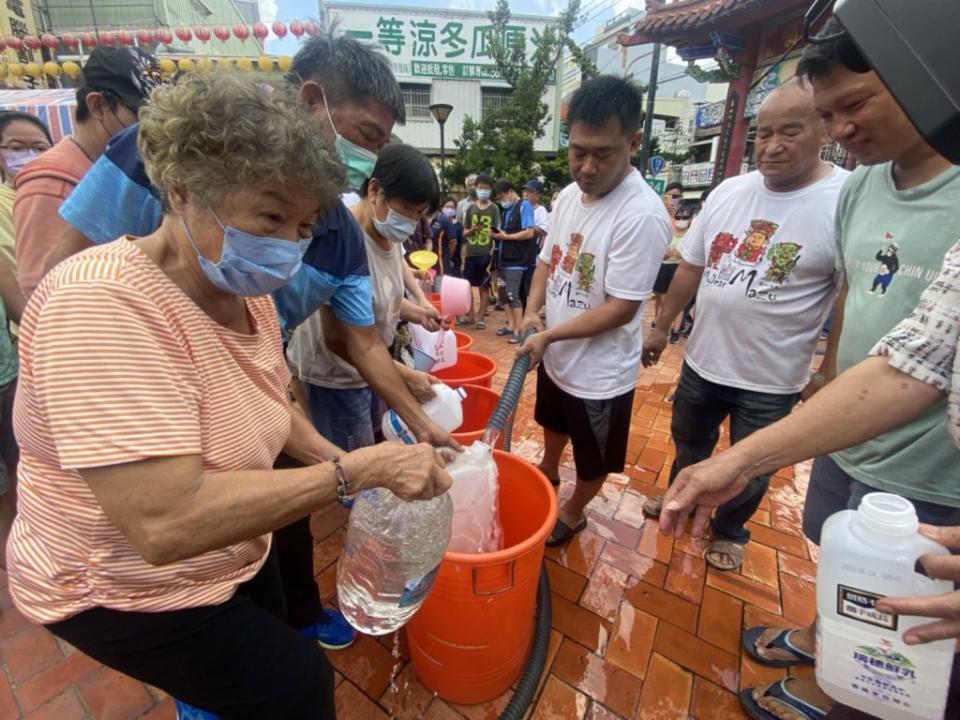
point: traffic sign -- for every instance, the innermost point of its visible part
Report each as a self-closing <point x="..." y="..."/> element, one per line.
<point x="658" y="185"/>
<point x="657" y="164"/>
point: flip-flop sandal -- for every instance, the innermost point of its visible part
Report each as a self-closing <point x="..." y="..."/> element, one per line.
<point x="780" y="642"/>
<point x="563" y="533"/>
<point x="481" y="325"/>
<point x="515" y="340"/>
<point x="779" y="691"/>
<point x="725" y="547"/>
<point x="504" y="331"/>
<point x="652" y="507"/>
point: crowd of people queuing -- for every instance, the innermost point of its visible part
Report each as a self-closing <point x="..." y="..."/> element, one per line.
<point x="205" y="299"/>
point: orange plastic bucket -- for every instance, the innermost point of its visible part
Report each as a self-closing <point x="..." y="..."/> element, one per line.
<point x="470" y="639"/>
<point x="477" y="408"/>
<point x="464" y="341"/>
<point x="470" y="369"/>
<point x="434" y="299"/>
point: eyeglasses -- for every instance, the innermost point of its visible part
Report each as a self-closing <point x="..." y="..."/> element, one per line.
<point x="39" y="147"/>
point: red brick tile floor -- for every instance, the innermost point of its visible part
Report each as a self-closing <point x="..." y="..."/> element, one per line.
<point x="641" y="627"/>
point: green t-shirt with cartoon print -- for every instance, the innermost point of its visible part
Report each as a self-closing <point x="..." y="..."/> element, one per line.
<point x="891" y="244"/>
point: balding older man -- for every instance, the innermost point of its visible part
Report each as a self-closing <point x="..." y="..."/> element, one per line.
<point x="761" y="259"/>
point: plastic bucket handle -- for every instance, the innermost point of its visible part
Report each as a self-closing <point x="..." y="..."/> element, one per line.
<point x="511" y="565"/>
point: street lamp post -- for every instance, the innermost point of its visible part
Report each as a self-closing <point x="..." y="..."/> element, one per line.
<point x="440" y="112"/>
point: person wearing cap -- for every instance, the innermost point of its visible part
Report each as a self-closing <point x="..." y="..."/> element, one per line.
<point x="517" y="249"/>
<point x="116" y="83"/>
<point x="532" y="192"/>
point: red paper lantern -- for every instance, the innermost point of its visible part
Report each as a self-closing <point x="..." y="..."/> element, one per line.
<point x="145" y="37"/>
<point x="202" y="33"/>
<point x="32" y="42"/>
<point x="70" y="41"/>
<point x="164" y="36"/>
<point x="222" y="32"/>
<point x="107" y="38"/>
<point x="259" y="30"/>
<point x="88" y="39"/>
<point x="184" y="34"/>
<point x="296" y="28"/>
<point x="125" y="37"/>
<point x="15" y="43"/>
<point x="241" y="32"/>
<point x="279" y="29"/>
<point x="311" y="27"/>
<point x="50" y="41"/>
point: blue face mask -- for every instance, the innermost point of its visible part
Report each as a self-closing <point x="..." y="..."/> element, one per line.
<point x="396" y="227"/>
<point x="250" y="264"/>
<point x="483" y="194"/>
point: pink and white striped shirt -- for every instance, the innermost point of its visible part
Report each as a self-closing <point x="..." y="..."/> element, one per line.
<point x="119" y="365"/>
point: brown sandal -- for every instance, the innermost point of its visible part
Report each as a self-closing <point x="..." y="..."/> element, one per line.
<point x="725" y="547"/>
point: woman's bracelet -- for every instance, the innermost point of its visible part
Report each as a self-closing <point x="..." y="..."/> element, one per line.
<point x="343" y="482"/>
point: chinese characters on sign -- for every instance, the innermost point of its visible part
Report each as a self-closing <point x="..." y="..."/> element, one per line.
<point x="19" y="20"/>
<point x="426" y="42"/>
<point x="441" y="44"/>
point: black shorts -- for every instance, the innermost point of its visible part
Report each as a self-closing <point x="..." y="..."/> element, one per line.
<point x="476" y="270"/>
<point x="508" y="287"/>
<point x="598" y="429"/>
<point x="664" y="277"/>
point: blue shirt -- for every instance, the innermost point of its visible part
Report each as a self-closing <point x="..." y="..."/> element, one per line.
<point x="116" y="198"/>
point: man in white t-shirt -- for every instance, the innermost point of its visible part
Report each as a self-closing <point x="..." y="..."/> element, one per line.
<point x="761" y="258"/>
<point x="608" y="232"/>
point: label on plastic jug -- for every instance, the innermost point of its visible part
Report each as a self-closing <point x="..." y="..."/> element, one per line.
<point x="862" y="605"/>
<point x="416" y="589"/>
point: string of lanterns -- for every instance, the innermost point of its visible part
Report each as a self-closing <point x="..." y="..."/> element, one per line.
<point x="167" y="65"/>
<point x="159" y="36"/>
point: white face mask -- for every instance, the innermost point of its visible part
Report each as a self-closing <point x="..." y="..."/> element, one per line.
<point x="682" y="224"/>
<point x="396" y="227"/>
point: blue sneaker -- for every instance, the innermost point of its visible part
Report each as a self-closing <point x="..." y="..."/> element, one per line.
<point x="331" y="630"/>
<point x="189" y="712"/>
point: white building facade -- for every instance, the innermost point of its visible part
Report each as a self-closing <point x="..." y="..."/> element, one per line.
<point x="442" y="56"/>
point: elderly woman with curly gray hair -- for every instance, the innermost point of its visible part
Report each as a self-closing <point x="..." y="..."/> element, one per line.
<point x="153" y="403"/>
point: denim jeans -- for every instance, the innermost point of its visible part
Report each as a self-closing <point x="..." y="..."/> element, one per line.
<point x="343" y="416"/>
<point x="831" y="490"/>
<point x="699" y="408"/>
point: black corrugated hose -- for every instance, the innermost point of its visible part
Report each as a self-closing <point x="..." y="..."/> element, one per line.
<point x="502" y="420"/>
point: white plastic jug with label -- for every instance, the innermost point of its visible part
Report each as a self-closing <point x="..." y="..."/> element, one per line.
<point x="862" y="660"/>
<point x="445" y="409"/>
<point x="440" y="345"/>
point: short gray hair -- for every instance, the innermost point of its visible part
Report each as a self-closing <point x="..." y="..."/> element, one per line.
<point x="349" y="70"/>
<point x="213" y="133"/>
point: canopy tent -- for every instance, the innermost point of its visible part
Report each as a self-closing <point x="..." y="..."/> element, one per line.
<point x="54" y="107"/>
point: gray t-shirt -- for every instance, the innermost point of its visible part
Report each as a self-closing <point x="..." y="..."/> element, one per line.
<point x="313" y="362"/>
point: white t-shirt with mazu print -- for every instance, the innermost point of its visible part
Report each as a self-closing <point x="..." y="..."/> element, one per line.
<point x="611" y="247"/>
<point x="768" y="284"/>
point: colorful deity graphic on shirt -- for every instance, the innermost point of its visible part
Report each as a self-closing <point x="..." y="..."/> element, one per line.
<point x="755" y="261"/>
<point x="756" y="240"/>
<point x="783" y="259"/>
<point x="572" y="273"/>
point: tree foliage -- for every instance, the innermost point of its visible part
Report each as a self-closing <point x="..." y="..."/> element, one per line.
<point x="501" y="142"/>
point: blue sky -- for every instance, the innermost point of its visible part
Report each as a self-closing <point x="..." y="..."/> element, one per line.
<point x="597" y="12"/>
